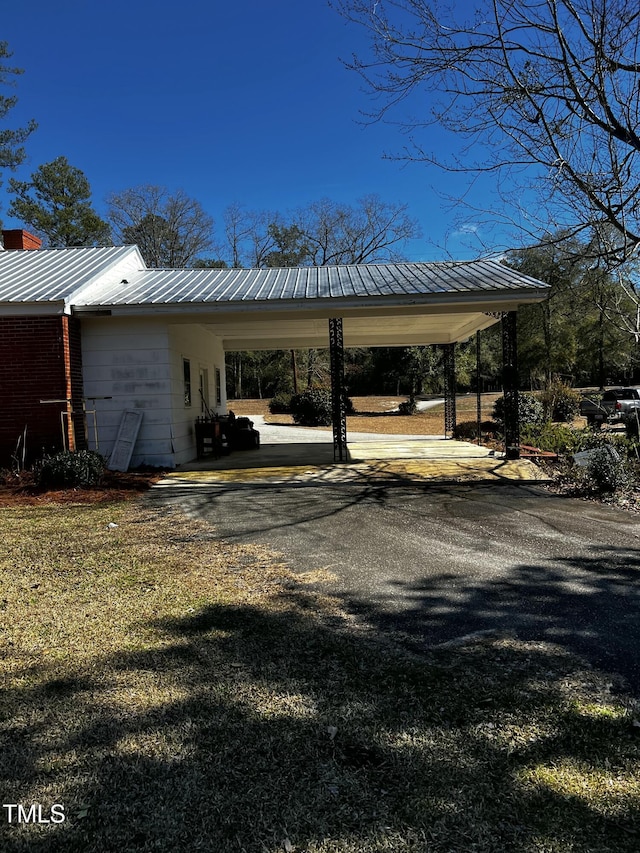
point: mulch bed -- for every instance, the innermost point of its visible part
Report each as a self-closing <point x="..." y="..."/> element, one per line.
<point x="20" y="489"/>
<point x="562" y="483"/>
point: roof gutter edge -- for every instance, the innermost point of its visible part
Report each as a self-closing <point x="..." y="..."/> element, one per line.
<point x="511" y="296"/>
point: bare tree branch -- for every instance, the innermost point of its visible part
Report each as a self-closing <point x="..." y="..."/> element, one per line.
<point x="545" y="93"/>
<point x="171" y="229"/>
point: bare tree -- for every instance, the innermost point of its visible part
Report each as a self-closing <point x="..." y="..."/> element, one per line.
<point x="171" y="230"/>
<point x="249" y="241"/>
<point x="545" y="94"/>
<point x="323" y="233"/>
<point x="372" y="230"/>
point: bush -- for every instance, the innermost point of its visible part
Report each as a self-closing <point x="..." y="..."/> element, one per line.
<point x="312" y="407"/>
<point x="554" y="438"/>
<point x="606" y="470"/>
<point x="631" y="425"/>
<point x="69" y="469"/>
<point x="349" y="408"/>
<point x="280" y="404"/>
<point x="467" y="430"/>
<point x="408" y="407"/>
<point x="560" y="402"/>
<point x="588" y="440"/>
<point x="562" y="439"/>
<point x="530" y="410"/>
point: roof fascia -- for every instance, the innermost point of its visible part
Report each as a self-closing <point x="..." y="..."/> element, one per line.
<point x="47" y="308"/>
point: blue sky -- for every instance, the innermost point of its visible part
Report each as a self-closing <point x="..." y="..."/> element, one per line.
<point x="238" y="101"/>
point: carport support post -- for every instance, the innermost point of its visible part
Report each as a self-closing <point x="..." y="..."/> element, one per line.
<point x="510" y="385"/>
<point x="338" y="407"/>
<point x="478" y="389"/>
<point x="449" y="355"/>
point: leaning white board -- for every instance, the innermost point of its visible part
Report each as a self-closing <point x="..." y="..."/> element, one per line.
<point x="125" y="441"/>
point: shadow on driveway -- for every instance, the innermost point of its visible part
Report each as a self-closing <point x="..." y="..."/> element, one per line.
<point x="437" y="562"/>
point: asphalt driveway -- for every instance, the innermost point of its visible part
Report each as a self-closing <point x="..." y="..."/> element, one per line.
<point x="435" y="562"/>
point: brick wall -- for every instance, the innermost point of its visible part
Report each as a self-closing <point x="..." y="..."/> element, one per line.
<point x="39" y="360"/>
<point x="75" y="383"/>
<point x="17" y="238"/>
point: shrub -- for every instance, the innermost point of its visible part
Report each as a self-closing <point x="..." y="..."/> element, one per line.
<point x="467" y="430"/>
<point x="530" y="410"/>
<point x="562" y="439"/>
<point x="560" y="402"/>
<point x="555" y="438"/>
<point x="631" y="425"/>
<point x="312" y="407"/>
<point x="69" y="469"/>
<point x="349" y="408"/>
<point x="588" y="440"/>
<point x="408" y="407"/>
<point x="280" y="404"/>
<point x="606" y="470"/>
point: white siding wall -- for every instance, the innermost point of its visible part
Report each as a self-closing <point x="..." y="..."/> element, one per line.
<point x="137" y="362"/>
<point x="204" y="351"/>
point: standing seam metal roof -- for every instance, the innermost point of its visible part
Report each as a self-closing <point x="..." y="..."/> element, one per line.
<point x="161" y="286"/>
<point x="53" y="275"/>
<point x="70" y="275"/>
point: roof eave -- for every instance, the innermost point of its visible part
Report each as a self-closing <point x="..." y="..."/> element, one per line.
<point x="43" y="308"/>
<point x="502" y="300"/>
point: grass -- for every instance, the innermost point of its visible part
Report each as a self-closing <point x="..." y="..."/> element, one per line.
<point x="177" y="693"/>
<point x="374" y="414"/>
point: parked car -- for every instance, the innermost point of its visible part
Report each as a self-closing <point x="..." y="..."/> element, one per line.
<point x="611" y="406"/>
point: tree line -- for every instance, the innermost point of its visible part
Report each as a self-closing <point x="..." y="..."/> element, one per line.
<point x="585" y="332"/>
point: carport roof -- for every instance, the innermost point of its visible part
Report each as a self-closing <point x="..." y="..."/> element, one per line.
<point x="179" y="287"/>
<point x="393" y="304"/>
<point x="386" y="304"/>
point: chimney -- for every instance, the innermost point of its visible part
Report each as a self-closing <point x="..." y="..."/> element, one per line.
<point x="16" y="238"/>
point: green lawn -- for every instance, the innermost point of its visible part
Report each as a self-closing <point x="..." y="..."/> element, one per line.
<point x="174" y="693"/>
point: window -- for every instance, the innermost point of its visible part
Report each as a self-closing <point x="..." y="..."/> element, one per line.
<point x="218" y="388"/>
<point x="204" y="390"/>
<point x="186" y="367"/>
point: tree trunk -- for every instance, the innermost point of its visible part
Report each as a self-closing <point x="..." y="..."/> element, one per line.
<point x="311" y="358"/>
<point x="601" y="373"/>
<point x="546" y="326"/>
<point x="294" y="370"/>
<point x="238" y="377"/>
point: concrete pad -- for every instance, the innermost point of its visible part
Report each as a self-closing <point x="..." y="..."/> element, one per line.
<point x="394" y="459"/>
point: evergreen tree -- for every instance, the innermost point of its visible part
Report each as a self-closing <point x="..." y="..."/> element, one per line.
<point x="573" y="334"/>
<point x="56" y="204"/>
<point x="12" y="151"/>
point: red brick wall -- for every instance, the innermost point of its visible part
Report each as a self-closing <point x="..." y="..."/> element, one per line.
<point x="17" y="238"/>
<point x="74" y="378"/>
<point x="39" y="360"/>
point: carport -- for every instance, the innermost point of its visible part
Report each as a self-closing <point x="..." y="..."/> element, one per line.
<point x="400" y="304"/>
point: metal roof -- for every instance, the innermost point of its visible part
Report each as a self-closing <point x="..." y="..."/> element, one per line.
<point x="54" y="275"/>
<point x="175" y="287"/>
<point x="89" y="278"/>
